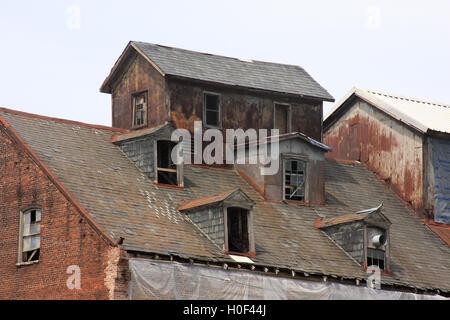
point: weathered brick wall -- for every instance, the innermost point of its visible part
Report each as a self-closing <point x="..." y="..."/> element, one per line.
<point x="66" y="237"/>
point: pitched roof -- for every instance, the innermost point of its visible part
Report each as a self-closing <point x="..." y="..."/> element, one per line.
<point x="127" y="204"/>
<point x="420" y="114"/>
<point x="243" y="73"/>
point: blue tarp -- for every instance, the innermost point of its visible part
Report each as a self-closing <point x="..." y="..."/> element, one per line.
<point x="441" y="165"/>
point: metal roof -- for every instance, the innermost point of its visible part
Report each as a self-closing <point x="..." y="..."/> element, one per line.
<point x="246" y="73"/>
<point x="420" y="114"/>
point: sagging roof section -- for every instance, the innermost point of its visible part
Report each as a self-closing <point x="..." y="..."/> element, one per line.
<point x="422" y="115"/>
<point x="243" y="73"/>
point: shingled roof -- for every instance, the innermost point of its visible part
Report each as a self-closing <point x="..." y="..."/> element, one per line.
<point x="244" y="73"/>
<point x="127" y="204"/>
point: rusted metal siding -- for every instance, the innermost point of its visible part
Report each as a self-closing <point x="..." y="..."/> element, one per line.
<point x="241" y="109"/>
<point x="139" y="76"/>
<point x="389" y="148"/>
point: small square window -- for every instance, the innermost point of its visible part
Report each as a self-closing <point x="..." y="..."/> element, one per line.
<point x="213" y="110"/>
<point x="294" y="180"/>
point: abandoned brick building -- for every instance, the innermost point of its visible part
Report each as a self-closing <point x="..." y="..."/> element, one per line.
<point x="405" y="141"/>
<point x="138" y="226"/>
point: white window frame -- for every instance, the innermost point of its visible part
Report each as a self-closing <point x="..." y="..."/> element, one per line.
<point x="20" y="253"/>
<point x="205" y="124"/>
<point x="305" y="177"/>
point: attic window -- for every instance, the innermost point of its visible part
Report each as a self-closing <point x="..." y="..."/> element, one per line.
<point x="375" y="257"/>
<point x="167" y="172"/>
<point x="140" y="110"/>
<point x="30" y="236"/>
<point x="294" y="180"/>
<point x="212" y="110"/>
<point x="238" y="230"/>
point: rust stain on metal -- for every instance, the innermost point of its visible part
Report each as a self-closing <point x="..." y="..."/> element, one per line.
<point x="383" y="146"/>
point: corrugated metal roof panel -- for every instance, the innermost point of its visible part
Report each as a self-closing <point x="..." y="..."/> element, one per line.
<point x="420" y="114"/>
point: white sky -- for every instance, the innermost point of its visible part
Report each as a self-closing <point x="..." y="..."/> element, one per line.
<point x="53" y="64"/>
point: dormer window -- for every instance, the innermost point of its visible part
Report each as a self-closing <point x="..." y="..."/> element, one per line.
<point x="226" y="219"/>
<point x="294" y="180"/>
<point x="140" y="110"/>
<point x="167" y="172"/>
<point x="376" y="247"/>
<point x="364" y="235"/>
<point x="238" y="230"/>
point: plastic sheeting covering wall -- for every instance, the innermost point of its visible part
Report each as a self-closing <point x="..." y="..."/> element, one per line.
<point x="441" y="165"/>
<point x="166" y="280"/>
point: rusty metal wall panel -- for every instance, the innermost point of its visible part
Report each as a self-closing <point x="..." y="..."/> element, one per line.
<point x="139" y="76"/>
<point x="389" y="148"/>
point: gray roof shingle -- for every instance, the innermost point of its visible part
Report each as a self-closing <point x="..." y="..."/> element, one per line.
<point x="127" y="204"/>
<point x="232" y="71"/>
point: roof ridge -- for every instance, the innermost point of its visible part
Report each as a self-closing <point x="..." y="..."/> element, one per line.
<point x="403" y="97"/>
<point x="217" y="55"/>
<point x="60" y="120"/>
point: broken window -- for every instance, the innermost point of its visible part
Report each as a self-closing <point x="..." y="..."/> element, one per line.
<point x="166" y="168"/>
<point x="294" y="180"/>
<point x="30" y="241"/>
<point x="375" y="257"/>
<point x="140" y="110"/>
<point x="212" y="114"/>
<point x="238" y="231"/>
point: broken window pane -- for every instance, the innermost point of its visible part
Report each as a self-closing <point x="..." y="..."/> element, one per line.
<point x="294" y="175"/>
<point x="31" y="237"/>
<point x="140" y="109"/>
<point x="167" y="169"/>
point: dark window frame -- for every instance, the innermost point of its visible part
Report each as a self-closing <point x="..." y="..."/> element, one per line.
<point x="167" y="170"/>
<point x="377" y="257"/>
<point x="218" y="111"/>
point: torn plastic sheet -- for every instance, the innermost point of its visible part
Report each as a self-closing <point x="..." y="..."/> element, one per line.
<point x="441" y="165"/>
<point x="170" y="280"/>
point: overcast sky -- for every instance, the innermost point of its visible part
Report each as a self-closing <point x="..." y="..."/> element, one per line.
<point x="54" y="55"/>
